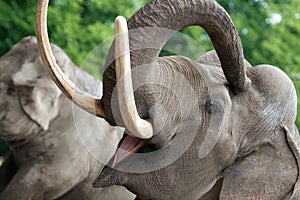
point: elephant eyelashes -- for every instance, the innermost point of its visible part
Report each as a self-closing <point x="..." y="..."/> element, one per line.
<point x="213" y="107"/>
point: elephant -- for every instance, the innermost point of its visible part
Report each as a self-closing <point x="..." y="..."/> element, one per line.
<point x="214" y="128"/>
<point x="49" y="158"/>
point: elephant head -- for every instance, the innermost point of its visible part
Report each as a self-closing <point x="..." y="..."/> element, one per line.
<point x="23" y="90"/>
<point x="217" y="118"/>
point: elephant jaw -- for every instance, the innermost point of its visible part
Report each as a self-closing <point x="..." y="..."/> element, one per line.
<point x="128" y="147"/>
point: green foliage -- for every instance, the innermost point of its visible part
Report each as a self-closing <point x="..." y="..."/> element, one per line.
<point x="80" y="25"/>
<point x="17" y="20"/>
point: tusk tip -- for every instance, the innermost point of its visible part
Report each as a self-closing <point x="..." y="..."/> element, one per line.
<point x="120" y="25"/>
<point x="120" y="20"/>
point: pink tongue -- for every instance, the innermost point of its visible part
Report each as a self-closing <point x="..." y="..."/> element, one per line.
<point x="129" y="146"/>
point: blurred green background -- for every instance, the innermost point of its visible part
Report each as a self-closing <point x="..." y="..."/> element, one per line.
<point x="269" y="30"/>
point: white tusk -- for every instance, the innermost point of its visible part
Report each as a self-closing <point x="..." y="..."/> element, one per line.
<point x="137" y="126"/>
<point x="82" y="99"/>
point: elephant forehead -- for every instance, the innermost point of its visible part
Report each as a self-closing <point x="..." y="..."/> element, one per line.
<point x="12" y="62"/>
<point x="213" y="74"/>
<point x="29" y="72"/>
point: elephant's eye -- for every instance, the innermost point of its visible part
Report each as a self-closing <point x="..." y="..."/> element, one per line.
<point x="214" y="107"/>
<point x="10" y="90"/>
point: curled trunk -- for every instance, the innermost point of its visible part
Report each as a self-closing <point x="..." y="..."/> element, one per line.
<point x="176" y="15"/>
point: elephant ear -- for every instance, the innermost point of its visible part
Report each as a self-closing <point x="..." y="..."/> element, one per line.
<point x="39" y="97"/>
<point x="269" y="172"/>
<point x="293" y="140"/>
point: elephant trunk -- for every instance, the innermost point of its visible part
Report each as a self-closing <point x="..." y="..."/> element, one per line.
<point x="176" y="15"/>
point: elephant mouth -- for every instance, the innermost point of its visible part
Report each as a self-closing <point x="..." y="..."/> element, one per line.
<point x="128" y="146"/>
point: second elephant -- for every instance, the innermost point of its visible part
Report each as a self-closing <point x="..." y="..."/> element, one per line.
<point x="57" y="149"/>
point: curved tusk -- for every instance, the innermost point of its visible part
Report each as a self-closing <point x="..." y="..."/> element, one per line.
<point x="85" y="101"/>
<point x="137" y="126"/>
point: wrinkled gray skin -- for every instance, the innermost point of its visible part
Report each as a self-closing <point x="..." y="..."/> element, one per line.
<point x="256" y="152"/>
<point x="38" y="122"/>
